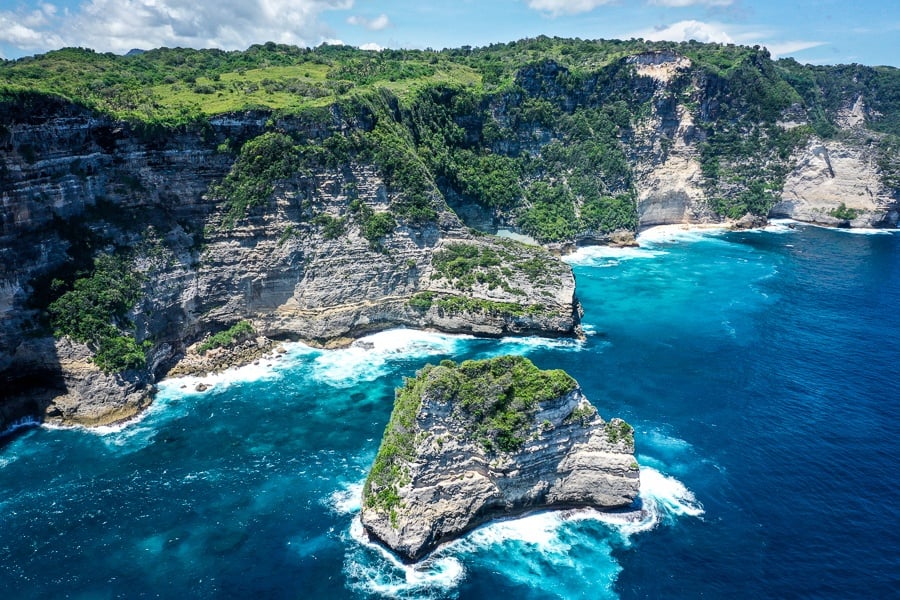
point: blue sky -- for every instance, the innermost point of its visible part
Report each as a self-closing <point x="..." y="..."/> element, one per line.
<point x="813" y="31"/>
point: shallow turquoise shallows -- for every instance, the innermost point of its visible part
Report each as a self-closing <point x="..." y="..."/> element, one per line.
<point x="759" y="370"/>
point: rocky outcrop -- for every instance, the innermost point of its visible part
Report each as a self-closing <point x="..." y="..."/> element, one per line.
<point x="830" y="175"/>
<point x="486" y="439"/>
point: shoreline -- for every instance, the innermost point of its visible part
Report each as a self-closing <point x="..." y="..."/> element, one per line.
<point x="203" y="370"/>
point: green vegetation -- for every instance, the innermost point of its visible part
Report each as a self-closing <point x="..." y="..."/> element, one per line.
<point x="843" y="213"/>
<point x="239" y="332"/>
<point x="461" y="304"/>
<point x="465" y="264"/>
<point x="262" y="162"/>
<point x="373" y="226"/>
<point x="422" y="300"/>
<point x="388" y="472"/>
<point x="618" y="430"/>
<point x="332" y="227"/>
<point x="489" y="179"/>
<point x="94" y="312"/>
<point x="610" y="213"/>
<point x="403" y="169"/>
<point x="551" y="216"/>
<point x="536" y="132"/>
<point x="497" y="397"/>
<point x="582" y="414"/>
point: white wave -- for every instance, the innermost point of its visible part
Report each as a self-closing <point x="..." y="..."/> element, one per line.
<point x="608" y="256"/>
<point x="18" y="424"/>
<point x="539" y="529"/>
<point x="266" y="369"/>
<point x="367" y="358"/>
<point x="778" y="226"/>
<point x="864" y="231"/>
<point x="373" y="570"/>
<point x="542" y="540"/>
<point x="524" y="345"/>
<point x="664" y="442"/>
<point x="663" y="499"/>
<point x="851" y="230"/>
<point x="346" y="501"/>
<point x="663" y="234"/>
<point x="669" y="495"/>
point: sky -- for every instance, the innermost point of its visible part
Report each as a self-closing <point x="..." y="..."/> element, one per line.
<point x="811" y="31"/>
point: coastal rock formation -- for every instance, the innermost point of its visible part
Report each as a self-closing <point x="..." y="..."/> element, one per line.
<point x="831" y="175"/>
<point x="486" y="439"/>
<point x="367" y="204"/>
<point x="96" y="184"/>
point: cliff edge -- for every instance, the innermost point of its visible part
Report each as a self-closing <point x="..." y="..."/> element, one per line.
<point x="485" y="439"/>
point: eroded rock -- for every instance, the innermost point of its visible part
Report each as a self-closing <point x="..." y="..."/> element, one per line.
<point x="485" y="439"/>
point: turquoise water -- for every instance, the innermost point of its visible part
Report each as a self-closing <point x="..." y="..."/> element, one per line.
<point x="758" y="369"/>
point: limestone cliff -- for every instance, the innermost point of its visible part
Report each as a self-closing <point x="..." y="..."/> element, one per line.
<point x="486" y="439"/>
<point x="95" y="186"/>
<point x="829" y="175"/>
<point x="372" y="211"/>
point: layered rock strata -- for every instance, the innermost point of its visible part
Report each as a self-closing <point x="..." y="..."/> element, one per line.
<point x="94" y="186"/>
<point x="487" y="439"/>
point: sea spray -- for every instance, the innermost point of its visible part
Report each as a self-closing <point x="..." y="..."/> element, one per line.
<point x="371" y="357"/>
<point x="23" y="423"/>
<point x="607" y="256"/>
<point x="372" y="569"/>
<point x="522" y="549"/>
<point x="670" y="234"/>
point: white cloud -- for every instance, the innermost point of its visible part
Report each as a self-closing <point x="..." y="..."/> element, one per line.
<point x="684" y="3"/>
<point x="372" y="46"/>
<point x="377" y="24"/>
<point x="683" y="31"/>
<point x="120" y="25"/>
<point x="566" y="7"/>
<point x="720" y="33"/>
<point x="26" y="32"/>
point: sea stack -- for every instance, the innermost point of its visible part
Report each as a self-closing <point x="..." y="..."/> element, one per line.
<point x="471" y="442"/>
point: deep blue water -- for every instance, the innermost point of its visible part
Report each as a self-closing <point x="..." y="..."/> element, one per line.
<point x="759" y="370"/>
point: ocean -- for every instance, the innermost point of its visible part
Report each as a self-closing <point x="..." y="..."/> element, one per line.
<point x="759" y="370"/>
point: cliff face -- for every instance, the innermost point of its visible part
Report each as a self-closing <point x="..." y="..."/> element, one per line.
<point x="358" y="235"/>
<point x="89" y="185"/>
<point x="703" y="147"/>
<point x="442" y="470"/>
<point x="829" y="175"/>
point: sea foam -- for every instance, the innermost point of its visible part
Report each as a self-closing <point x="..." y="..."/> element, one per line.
<point x="521" y="548"/>
<point x="608" y="256"/>
<point x="372" y="569"/>
<point x="23" y="423"/>
<point x="346" y="501"/>
<point x="664" y="234"/>
<point x="369" y="358"/>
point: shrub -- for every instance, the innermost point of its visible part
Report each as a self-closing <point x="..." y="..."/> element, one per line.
<point x="238" y="332"/>
<point x="843" y="213"/>
<point x="94" y="312"/>
<point x="262" y="162"/>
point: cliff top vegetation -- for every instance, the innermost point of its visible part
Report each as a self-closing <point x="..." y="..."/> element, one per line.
<point x="176" y="85"/>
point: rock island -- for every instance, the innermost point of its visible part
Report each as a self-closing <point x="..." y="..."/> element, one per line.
<point x="467" y="443"/>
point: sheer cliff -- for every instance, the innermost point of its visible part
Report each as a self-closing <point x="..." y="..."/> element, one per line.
<point x="318" y="194"/>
